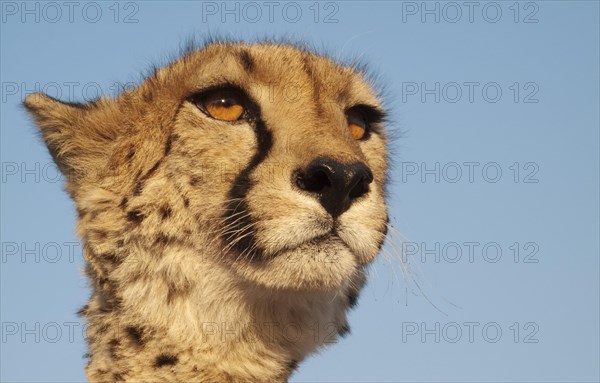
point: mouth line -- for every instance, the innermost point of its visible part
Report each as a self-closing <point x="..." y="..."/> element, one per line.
<point x="323" y="237"/>
<point x="332" y="234"/>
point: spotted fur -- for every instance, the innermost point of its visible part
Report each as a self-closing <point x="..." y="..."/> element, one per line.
<point x="207" y="263"/>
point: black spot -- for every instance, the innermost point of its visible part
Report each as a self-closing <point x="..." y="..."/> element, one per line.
<point x="165" y="360"/>
<point x="86" y="355"/>
<point x="352" y="298"/>
<point x="135" y="216"/>
<point x="112" y="302"/>
<point x="138" y="173"/>
<point x="139" y="185"/>
<point x="162" y="238"/>
<point x="118" y="377"/>
<point x="112" y="258"/>
<point x="186" y="202"/>
<point x="247" y="61"/>
<point x="81" y="213"/>
<point x="100" y="234"/>
<point x="175" y="291"/>
<point x="136" y="334"/>
<point x="117" y="303"/>
<point x="104" y="136"/>
<point x="344" y="330"/>
<point x="112" y="348"/>
<point x="102" y="329"/>
<point x="123" y="203"/>
<point x="152" y="169"/>
<point x="165" y="212"/>
<point x="195" y="181"/>
<point x="168" y="145"/>
<point x="148" y="96"/>
<point x="130" y="154"/>
<point x="89" y="270"/>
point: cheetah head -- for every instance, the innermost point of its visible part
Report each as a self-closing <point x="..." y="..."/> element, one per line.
<point x="267" y="160"/>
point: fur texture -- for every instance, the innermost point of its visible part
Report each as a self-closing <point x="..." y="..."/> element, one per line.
<point x="207" y="262"/>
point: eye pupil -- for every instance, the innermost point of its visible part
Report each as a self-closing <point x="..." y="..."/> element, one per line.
<point x="226" y="102"/>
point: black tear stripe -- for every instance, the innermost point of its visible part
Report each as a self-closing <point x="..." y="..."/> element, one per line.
<point x="247" y="61"/>
<point x="238" y="223"/>
<point x="168" y="145"/>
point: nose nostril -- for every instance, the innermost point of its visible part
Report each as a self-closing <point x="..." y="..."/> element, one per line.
<point x="361" y="187"/>
<point x="315" y="181"/>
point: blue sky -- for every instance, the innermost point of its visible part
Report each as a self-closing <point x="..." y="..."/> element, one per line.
<point x="494" y="187"/>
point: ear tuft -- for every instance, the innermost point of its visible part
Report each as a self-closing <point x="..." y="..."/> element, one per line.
<point x="42" y="102"/>
<point x="77" y="141"/>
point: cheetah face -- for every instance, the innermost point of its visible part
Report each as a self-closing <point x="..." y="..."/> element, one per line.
<point x="293" y="159"/>
<point x="270" y="160"/>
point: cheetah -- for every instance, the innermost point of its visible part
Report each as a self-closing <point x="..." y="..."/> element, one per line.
<point x="228" y="207"/>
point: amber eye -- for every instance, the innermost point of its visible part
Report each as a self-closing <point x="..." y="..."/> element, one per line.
<point x="223" y="105"/>
<point x="357" y="124"/>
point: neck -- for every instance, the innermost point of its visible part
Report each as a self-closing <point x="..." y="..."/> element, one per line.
<point x="166" y="312"/>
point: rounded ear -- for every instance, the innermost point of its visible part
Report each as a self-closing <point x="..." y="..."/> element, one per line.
<point x="77" y="141"/>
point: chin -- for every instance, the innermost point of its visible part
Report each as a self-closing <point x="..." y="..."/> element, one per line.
<point x="323" y="264"/>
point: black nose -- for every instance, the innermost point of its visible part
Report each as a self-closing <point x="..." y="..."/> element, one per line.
<point x="336" y="185"/>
